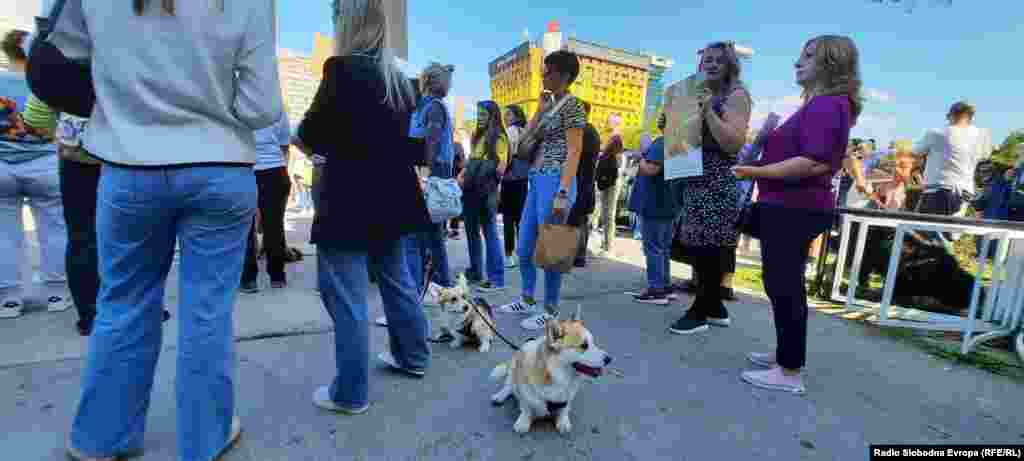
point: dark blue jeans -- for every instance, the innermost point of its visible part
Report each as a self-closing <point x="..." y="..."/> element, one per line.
<point x="786" y="236"/>
<point x="344" y="281"/>
<point x="481" y="216"/>
<point x="419" y="246"/>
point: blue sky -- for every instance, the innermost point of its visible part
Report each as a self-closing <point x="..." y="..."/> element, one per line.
<point x="914" y="65"/>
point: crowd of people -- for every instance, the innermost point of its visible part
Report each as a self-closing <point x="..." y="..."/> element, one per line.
<point x="223" y="159"/>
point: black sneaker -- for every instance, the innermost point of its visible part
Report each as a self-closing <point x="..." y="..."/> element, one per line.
<point x="719" y="317"/>
<point x="688" y="324"/>
<point x="686" y="287"/>
<point x="488" y="287"/>
<point x="249" y="287"/>
<point x="443" y="338"/>
<point x="649" y="296"/>
<point x="167" y="315"/>
<point x="84" y="327"/>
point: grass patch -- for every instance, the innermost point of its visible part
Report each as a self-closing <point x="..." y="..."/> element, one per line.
<point x="947" y="347"/>
<point x="999" y="360"/>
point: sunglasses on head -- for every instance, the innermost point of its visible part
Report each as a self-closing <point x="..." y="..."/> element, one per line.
<point x="727" y="44"/>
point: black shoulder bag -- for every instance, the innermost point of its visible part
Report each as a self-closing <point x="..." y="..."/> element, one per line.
<point x="64" y="84"/>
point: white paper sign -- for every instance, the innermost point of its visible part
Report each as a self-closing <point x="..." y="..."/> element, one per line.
<point x="684" y="165"/>
<point x="683" y="123"/>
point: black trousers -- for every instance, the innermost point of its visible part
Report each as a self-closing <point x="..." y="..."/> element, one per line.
<point x="786" y="236"/>
<point x="940" y="202"/>
<point x="513" y="200"/>
<point x="79" y="185"/>
<point x="274" y="186"/>
<point x="511" y="230"/>
<point x="710" y="263"/>
<point x="585" y="228"/>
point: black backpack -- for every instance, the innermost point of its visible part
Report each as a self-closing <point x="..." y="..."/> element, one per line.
<point x="65" y="85"/>
<point x="607" y="172"/>
<point x="481" y="175"/>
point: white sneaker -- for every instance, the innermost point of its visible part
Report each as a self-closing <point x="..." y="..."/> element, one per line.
<point x="520" y="307"/>
<point x="322" y="399"/>
<point x="236" y="432"/>
<point x="433" y="292"/>
<point x="10" y="309"/>
<point x="511" y="261"/>
<point x="390" y="361"/>
<point x="381" y="321"/>
<point x="58" y="304"/>
<point x="536" y="322"/>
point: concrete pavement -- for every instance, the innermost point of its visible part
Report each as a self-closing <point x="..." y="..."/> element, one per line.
<point x="672" y="398"/>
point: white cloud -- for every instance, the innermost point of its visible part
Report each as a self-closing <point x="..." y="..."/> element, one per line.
<point x="878" y="95"/>
<point x="784" y="106"/>
<point x="882" y="127"/>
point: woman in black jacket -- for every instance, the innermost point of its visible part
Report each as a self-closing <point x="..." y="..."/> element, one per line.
<point x="359" y="121"/>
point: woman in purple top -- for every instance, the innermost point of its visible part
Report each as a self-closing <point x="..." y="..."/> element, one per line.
<point x="794" y="179"/>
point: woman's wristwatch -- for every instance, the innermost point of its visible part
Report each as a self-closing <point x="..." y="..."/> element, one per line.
<point x="563" y="192"/>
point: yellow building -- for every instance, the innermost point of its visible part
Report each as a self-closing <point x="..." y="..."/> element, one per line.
<point x="298" y="83"/>
<point x="516" y="77"/>
<point x="613" y="81"/>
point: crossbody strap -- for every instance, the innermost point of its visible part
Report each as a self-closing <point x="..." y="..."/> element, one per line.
<point x="558" y="106"/>
<point x="44" y="32"/>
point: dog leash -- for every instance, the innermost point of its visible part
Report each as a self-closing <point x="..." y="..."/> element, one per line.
<point x="476" y="306"/>
<point x="428" y="270"/>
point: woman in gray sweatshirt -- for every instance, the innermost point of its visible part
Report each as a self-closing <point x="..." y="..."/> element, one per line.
<point x="180" y="88"/>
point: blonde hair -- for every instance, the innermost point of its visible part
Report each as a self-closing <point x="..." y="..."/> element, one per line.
<point x="838" y="62"/>
<point x="436" y="77"/>
<point x="167" y="5"/>
<point x="360" y="26"/>
<point x="732" y="81"/>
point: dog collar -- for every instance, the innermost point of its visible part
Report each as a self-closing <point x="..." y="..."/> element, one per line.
<point x="556" y="406"/>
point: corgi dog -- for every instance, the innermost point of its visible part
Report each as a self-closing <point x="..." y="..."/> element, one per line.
<point x="546" y="373"/>
<point x="464" y="319"/>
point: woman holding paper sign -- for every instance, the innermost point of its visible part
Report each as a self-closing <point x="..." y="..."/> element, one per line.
<point x="711" y="199"/>
<point x="794" y="178"/>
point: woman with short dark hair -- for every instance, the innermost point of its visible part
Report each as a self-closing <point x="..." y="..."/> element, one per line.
<point x="561" y="120"/>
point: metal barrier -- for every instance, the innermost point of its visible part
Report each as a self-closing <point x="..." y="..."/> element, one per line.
<point x="1001" y="313"/>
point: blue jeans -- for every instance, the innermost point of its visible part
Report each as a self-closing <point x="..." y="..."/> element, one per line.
<point x="38" y="181"/>
<point x="539" y="203"/>
<point x="657" y="249"/>
<point x="344" y="281"/>
<point x="140" y="213"/>
<point x="418" y="246"/>
<point x="482" y="215"/>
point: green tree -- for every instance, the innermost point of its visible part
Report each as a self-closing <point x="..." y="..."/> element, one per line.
<point x="1006" y="155"/>
<point x="631" y="138"/>
<point x="652" y="124"/>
